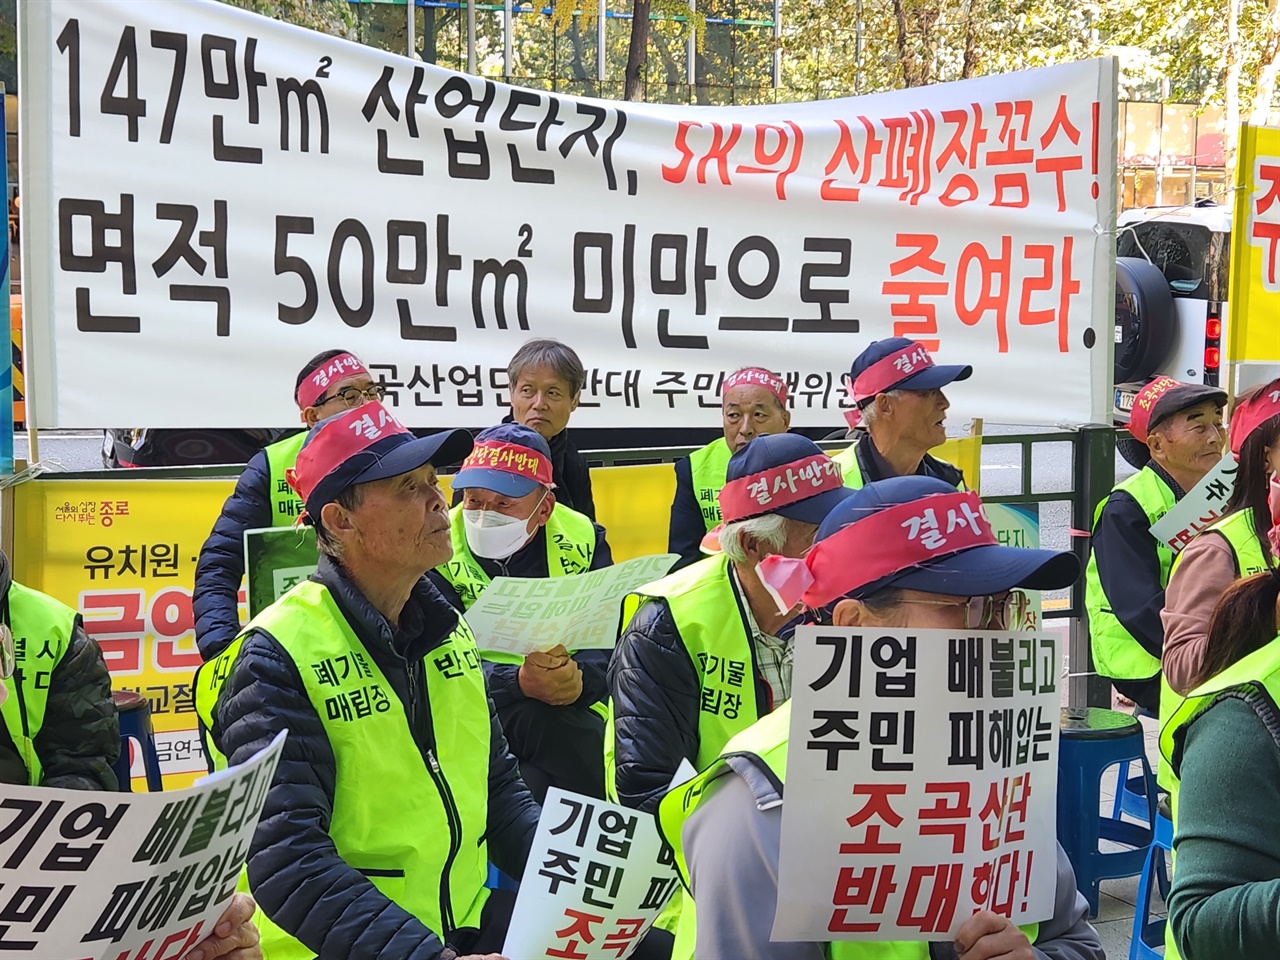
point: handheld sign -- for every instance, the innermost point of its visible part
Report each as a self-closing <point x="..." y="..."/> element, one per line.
<point x="597" y="877"/>
<point x="1203" y="505"/>
<point x="929" y="768"/>
<point x="118" y="876"/>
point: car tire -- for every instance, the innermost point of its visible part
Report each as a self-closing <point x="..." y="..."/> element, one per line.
<point x="1146" y="324"/>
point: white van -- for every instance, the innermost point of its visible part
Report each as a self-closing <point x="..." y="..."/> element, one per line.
<point x="1171" y="296"/>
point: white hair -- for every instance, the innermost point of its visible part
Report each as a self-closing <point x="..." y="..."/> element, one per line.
<point x="871" y="412"/>
<point x="771" y="529"/>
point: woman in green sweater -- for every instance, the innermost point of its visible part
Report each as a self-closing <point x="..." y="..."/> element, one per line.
<point x="1224" y="746"/>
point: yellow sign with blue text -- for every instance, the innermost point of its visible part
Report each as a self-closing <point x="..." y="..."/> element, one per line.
<point x="1254" y="295"/>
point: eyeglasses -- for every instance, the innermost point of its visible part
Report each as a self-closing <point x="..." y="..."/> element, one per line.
<point x="8" y="655"/>
<point x="354" y="396"/>
<point x="998" y="611"/>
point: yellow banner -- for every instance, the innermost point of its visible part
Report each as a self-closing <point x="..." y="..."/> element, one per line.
<point x="1254" y="287"/>
<point x="123" y="552"/>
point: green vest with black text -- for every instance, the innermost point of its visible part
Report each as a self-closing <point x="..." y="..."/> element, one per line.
<point x="285" y="504"/>
<point x="709" y="467"/>
<point x="42" y="628"/>
<point x="1116" y="654"/>
<point x="852" y="473"/>
<point x="1256" y="674"/>
<point x="412" y="822"/>
<point x="571" y="546"/>
<point x="765" y="743"/>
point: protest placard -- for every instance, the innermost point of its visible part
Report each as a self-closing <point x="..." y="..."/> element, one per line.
<point x="929" y="765"/>
<point x="597" y="877"/>
<point x="519" y="615"/>
<point x="276" y="559"/>
<point x="1018" y="525"/>
<point x="1203" y="505"/>
<point x="118" y="876"/>
<point x="207" y="190"/>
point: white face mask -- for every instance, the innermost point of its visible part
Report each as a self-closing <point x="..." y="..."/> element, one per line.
<point x="494" y="535"/>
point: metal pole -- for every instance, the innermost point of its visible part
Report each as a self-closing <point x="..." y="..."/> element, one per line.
<point x="777" y="44"/>
<point x="411" y="27"/>
<point x="506" y="39"/>
<point x="471" y="36"/>
<point x="1094" y="470"/>
<point x="691" y="49"/>
<point x="857" y="50"/>
<point x="601" y="13"/>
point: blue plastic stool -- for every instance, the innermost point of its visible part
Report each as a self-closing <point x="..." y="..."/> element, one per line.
<point x="1147" y="942"/>
<point x="135" y="726"/>
<point x="500" y="881"/>
<point x="1092" y="740"/>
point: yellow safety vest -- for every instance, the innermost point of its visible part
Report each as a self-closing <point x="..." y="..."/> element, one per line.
<point x="765" y="743"/>
<point x="1116" y="654"/>
<point x="1258" y="672"/>
<point x="42" y="628"/>
<point x="414" y="825"/>
<point x="709" y="467"/>
<point x="286" y="506"/>
<point x="852" y="473"/>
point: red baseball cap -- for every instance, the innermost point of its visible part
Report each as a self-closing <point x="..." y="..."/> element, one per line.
<point x="1252" y="412"/>
<point x="364" y="444"/>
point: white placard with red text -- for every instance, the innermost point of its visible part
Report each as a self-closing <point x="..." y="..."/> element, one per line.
<point x="211" y="195"/>
<point x="119" y="876"/>
<point x="928" y="761"/>
<point x="597" y="877"/>
<point x="1203" y="506"/>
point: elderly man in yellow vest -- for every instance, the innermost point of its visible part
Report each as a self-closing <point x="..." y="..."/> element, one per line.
<point x="725" y="825"/>
<point x="705" y="652"/>
<point x="395" y="788"/>
<point x="508" y="524"/>
<point x="1176" y="438"/>
<point x="327" y="384"/>
<point x="753" y="404"/>
<point x="898" y="391"/>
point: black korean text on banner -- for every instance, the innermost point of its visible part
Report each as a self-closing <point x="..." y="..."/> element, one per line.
<point x="931" y="769"/>
<point x="110" y="876"/>
<point x="230" y="192"/>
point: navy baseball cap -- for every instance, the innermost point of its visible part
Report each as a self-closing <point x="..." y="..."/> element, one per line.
<point x="981" y="567"/>
<point x="782" y="473"/>
<point x="899" y="364"/>
<point x="364" y="444"/>
<point x="510" y="459"/>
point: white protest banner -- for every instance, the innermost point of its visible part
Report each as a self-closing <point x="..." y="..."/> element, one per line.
<point x="929" y="765"/>
<point x="117" y="876"/>
<point x="519" y="615"/>
<point x="1203" y="505"/>
<point x="207" y="193"/>
<point x="597" y="877"/>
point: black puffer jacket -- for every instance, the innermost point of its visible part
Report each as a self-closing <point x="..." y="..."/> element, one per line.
<point x="80" y="739"/>
<point x="656" y="699"/>
<point x="221" y="564"/>
<point x="298" y="878"/>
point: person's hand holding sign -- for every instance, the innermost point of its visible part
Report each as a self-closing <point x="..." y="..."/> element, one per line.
<point x="234" y="936"/>
<point x="989" y="936"/>
<point x="551" y="676"/>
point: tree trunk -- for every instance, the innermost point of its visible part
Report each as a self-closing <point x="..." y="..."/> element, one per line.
<point x="1231" y="91"/>
<point x="1268" y="65"/>
<point x="637" y="50"/>
<point x="906" y="56"/>
<point x="970" y="66"/>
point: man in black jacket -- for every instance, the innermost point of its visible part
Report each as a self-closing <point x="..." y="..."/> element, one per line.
<point x="510" y="523"/>
<point x="396" y="785"/>
<point x="327" y="384"/>
<point x="708" y="652"/>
